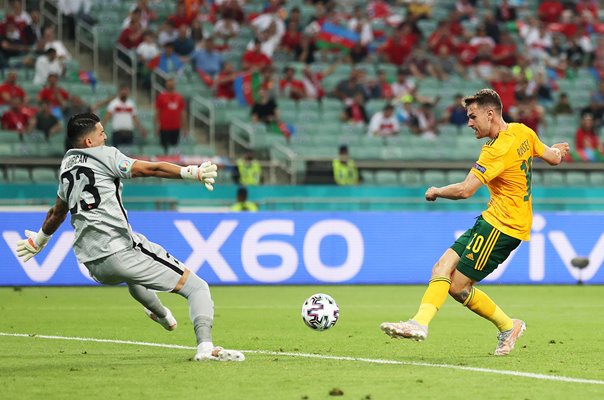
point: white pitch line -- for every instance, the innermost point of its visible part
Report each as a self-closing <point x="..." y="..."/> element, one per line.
<point x="530" y="375"/>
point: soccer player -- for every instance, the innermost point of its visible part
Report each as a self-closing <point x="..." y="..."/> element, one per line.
<point x="90" y="189"/>
<point x="505" y="166"/>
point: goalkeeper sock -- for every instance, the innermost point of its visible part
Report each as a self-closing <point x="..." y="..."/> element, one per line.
<point x="201" y="306"/>
<point x="148" y="299"/>
<point x="481" y="304"/>
<point x="434" y="298"/>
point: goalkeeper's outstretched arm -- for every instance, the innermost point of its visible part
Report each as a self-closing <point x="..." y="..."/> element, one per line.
<point x="204" y="173"/>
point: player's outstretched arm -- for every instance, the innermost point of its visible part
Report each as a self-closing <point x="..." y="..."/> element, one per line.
<point x="35" y="242"/>
<point x="555" y="154"/>
<point x="205" y="172"/>
<point x="455" y="191"/>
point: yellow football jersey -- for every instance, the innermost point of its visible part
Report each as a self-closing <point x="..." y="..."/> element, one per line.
<point x="505" y="165"/>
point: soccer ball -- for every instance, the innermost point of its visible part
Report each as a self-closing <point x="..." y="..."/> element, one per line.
<point x="320" y="312"/>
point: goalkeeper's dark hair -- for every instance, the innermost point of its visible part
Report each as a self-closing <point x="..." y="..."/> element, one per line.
<point x="484" y="97"/>
<point x="80" y="125"/>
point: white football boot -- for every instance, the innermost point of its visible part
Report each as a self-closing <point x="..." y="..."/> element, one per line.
<point x="168" y="322"/>
<point x="217" y="353"/>
<point x="405" y="330"/>
<point x="507" y="339"/>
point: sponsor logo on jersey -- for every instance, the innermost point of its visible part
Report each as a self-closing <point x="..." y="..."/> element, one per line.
<point x="480" y="168"/>
<point x="124" y="165"/>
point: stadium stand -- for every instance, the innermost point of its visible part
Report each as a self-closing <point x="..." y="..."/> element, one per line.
<point x="331" y="60"/>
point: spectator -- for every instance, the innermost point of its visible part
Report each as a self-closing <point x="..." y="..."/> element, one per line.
<point x="305" y="51"/>
<point x="530" y="113"/>
<point x="171" y="115"/>
<point x="550" y="11"/>
<point x="249" y="171"/>
<point x="254" y="58"/>
<point x="398" y="47"/>
<point x="11" y="44"/>
<point x="291" y="38"/>
<point x="147" y="13"/>
<point x="345" y="172"/>
<point x="505" y="12"/>
<point x="420" y="65"/>
<point x="73" y="10"/>
<point x="384" y="123"/>
<point x="224" y="82"/>
<point x="361" y="25"/>
<point x="563" y="107"/>
<point x="541" y="89"/>
<point x="355" y="113"/>
<point x="180" y="17"/>
<point x="243" y="204"/>
<point x="133" y="35"/>
<point x="596" y="112"/>
<point x="312" y="81"/>
<point x="183" y="44"/>
<point x="16" y="118"/>
<point x="136" y="14"/>
<point x="47" y="64"/>
<point x="46" y="122"/>
<point x="18" y="15"/>
<point x="587" y="143"/>
<point x="33" y="32"/>
<point x="269" y="28"/>
<point x="74" y="106"/>
<point x="225" y="29"/>
<point x="265" y="109"/>
<point x="446" y="64"/>
<point x="466" y="10"/>
<point x="148" y="49"/>
<point x="424" y="123"/>
<point x="123" y="114"/>
<point x="54" y="94"/>
<point x="49" y="41"/>
<point x="381" y="88"/>
<point x="357" y="54"/>
<point x="207" y="59"/>
<point x="505" y="85"/>
<point x="10" y="89"/>
<point x="166" y="33"/>
<point x="456" y="113"/>
<point x="291" y="87"/>
<point x="349" y="87"/>
<point x="167" y="62"/>
<point x="403" y="86"/>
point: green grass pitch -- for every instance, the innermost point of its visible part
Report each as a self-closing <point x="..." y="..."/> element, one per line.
<point x="564" y="339"/>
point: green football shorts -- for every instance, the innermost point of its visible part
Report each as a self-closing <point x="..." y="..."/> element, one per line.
<point x="481" y="249"/>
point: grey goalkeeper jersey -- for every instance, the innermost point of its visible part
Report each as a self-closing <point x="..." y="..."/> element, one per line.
<point x="90" y="183"/>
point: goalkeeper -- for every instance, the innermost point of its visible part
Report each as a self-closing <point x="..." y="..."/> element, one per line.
<point x="90" y="190"/>
<point x="505" y="165"/>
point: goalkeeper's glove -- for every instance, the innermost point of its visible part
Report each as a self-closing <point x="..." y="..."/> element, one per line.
<point x="205" y="173"/>
<point x="32" y="245"/>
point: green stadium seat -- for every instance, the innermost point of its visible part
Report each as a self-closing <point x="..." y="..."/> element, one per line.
<point x="20" y="175"/>
<point x="456" y="176"/>
<point x="410" y="177"/>
<point x="368" y="177"/>
<point x="151" y="150"/>
<point x="596" y="178"/>
<point x="577" y="178"/>
<point x="45" y="175"/>
<point x="553" y="178"/>
<point x="7" y="137"/>
<point x="386" y="178"/>
<point x="434" y="178"/>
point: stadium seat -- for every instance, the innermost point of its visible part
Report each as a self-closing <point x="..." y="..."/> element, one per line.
<point x="434" y="178"/>
<point x="410" y="177"/>
<point x="386" y="178"/>
<point x="455" y="176"/>
<point x="553" y="178"/>
<point x="20" y="175"/>
<point x="368" y="177"/>
<point x="45" y="175"/>
<point x="596" y="178"/>
<point x="577" y="178"/>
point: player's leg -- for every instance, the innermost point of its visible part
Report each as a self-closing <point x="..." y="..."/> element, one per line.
<point x="153" y="306"/>
<point x="435" y="295"/>
<point x="482" y="255"/>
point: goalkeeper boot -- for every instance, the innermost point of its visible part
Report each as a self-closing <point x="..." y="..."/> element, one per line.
<point x="168" y="322"/>
<point x="405" y="330"/>
<point x="507" y="339"/>
<point x="217" y="354"/>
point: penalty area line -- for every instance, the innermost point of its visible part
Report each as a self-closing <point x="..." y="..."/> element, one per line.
<point x="530" y="375"/>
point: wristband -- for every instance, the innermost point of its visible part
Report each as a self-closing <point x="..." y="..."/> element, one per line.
<point x="41" y="238"/>
<point x="190" y="172"/>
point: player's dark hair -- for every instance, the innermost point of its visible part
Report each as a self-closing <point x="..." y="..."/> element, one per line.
<point x="80" y="125"/>
<point x="484" y="97"/>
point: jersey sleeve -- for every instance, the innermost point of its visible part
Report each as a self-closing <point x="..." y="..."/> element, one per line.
<point x="119" y="164"/>
<point x="538" y="146"/>
<point x="489" y="165"/>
